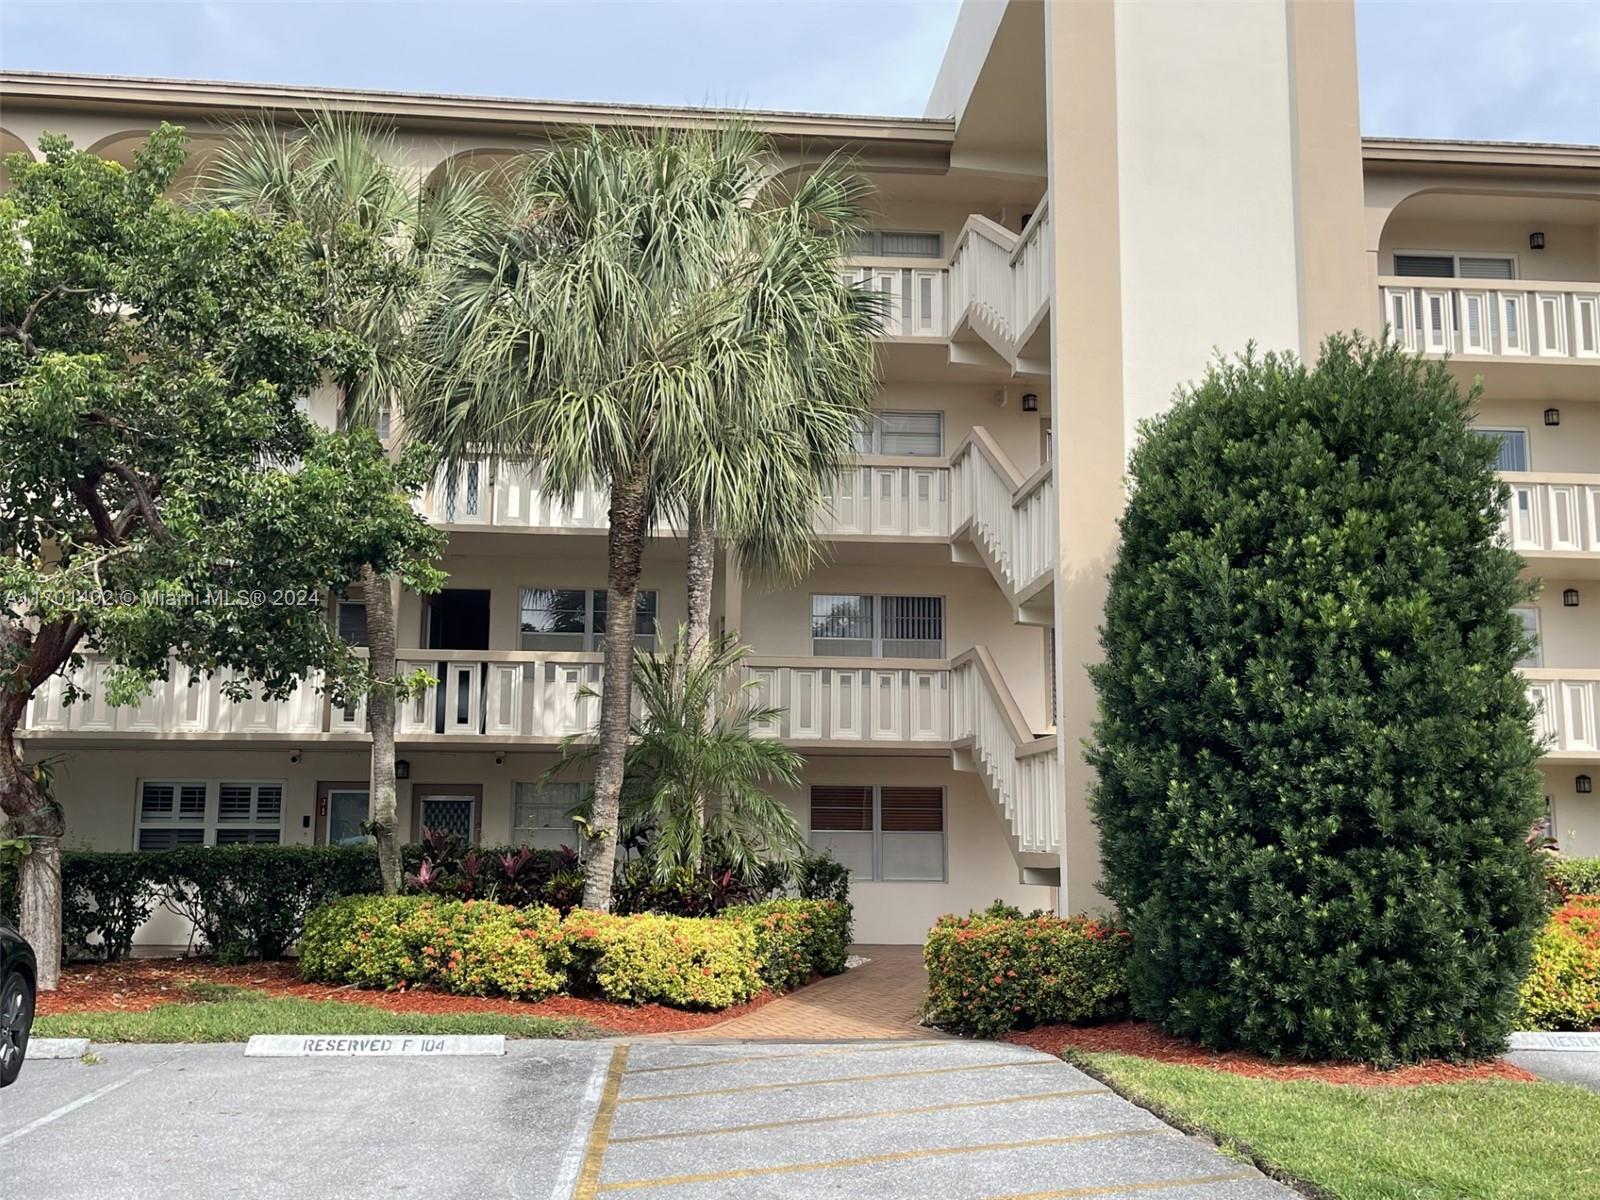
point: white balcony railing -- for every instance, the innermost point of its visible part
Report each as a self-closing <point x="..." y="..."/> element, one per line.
<point x="854" y="700"/>
<point x="1566" y="701"/>
<point x="1011" y="519"/>
<point x="1019" y="770"/>
<point x="1000" y="284"/>
<point x="915" y="296"/>
<point x="885" y="497"/>
<point x="1553" y="514"/>
<point x="185" y="703"/>
<point x="491" y="492"/>
<point x="1493" y="318"/>
<point x="1031" y="269"/>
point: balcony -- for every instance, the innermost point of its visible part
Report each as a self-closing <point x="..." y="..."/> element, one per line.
<point x="884" y="496"/>
<point x="1000" y="294"/>
<point x="1009" y="522"/>
<point x="1555" y="520"/>
<point x="1494" y="319"/>
<point x="1566" y="700"/>
<point x="1019" y="768"/>
<point x="914" y="295"/>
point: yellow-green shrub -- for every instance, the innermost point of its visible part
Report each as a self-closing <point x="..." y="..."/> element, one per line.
<point x="1562" y="990"/>
<point x="687" y="962"/>
<point x="796" y="938"/>
<point x="472" y="947"/>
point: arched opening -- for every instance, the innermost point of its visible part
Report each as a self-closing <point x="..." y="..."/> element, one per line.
<point x="1493" y="234"/>
<point x="10" y="143"/>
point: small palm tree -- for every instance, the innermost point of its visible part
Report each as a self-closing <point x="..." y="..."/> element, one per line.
<point x="612" y="328"/>
<point x="697" y="787"/>
<point x="381" y="238"/>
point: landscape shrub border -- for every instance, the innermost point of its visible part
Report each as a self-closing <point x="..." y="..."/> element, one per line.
<point x="1570" y="877"/>
<point x="479" y="947"/>
<point x="995" y="971"/>
<point x="1562" y="990"/>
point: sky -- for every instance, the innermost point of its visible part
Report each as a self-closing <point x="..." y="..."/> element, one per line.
<point x="1522" y="70"/>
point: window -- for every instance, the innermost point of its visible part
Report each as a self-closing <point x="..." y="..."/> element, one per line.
<point x="883" y="243"/>
<point x="198" y="812"/>
<point x="450" y="814"/>
<point x="893" y="834"/>
<point x="1513" y="447"/>
<point x="1529" y="616"/>
<point x="877" y="626"/>
<point x="541" y="815"/>
<point x="353" y="623"/>
<point x="919" y="434"/>
<point x="1455" y="266"/>
<point x="575" y="619"/>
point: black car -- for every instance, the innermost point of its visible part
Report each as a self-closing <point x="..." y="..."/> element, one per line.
<point x="19" y="973"/>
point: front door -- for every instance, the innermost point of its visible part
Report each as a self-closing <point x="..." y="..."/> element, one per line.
<point x="342" y="807"/>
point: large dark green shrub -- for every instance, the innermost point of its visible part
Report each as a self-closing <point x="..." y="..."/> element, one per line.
<point x="992" y="972"/>
<point x="1315" y="765"/>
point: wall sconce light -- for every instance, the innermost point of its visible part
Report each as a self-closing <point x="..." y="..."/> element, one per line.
<point x="402" y="768"/>
<point x="1584" y="784"/>
<point x="1030" y="402"/>
<point x="294" y="756"/>
<point x="1552" y="416"/>
<point x="1536" y="241"/>
<point x="499" y="760"/>
<point x="1569" y="598"/>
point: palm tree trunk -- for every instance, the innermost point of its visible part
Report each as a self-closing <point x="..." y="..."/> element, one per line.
<point x="700" y="576"/>
<point x="625" y="549"/>
<point x="381" y="804"/>
<point x="40" y="823"/>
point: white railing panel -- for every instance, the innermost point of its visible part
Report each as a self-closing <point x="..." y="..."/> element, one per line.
<point x="1552" y="513"/>
<point x="1515" y="319"/>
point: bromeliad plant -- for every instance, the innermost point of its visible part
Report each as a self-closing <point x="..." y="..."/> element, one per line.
<point x="695" y="794"/>
<point x="516" y="875"/>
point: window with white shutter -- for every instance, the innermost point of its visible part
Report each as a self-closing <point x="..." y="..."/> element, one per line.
<point x="891" y="834"/>
<point x="541" y="815"/>
<point x="1529" y="616"/>
<point x="918" y="434"/>
<point x="886" y="243"/>
<point x="202" y="813"/>
<point x="1512" y="445"/>
<point x="877" y="626"/>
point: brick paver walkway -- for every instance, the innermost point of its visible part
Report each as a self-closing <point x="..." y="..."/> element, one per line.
<point x="879" y="1000"/>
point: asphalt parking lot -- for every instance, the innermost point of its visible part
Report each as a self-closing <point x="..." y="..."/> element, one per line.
<point x="581" y="1120"/>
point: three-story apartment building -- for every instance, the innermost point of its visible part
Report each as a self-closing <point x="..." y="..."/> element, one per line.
<point x="1102" y="195"/>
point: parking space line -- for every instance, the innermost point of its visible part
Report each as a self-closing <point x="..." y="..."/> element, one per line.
<point x="863" y="1116"/>
<point x="578" y="1144"/>
<point x="871" y="1160"/>
<point x="1117" y="1189"/>
<point x="774" y="1087"/>
<point x="744" y="1058"/>
<point x="600" y="1131"/>
<point x="73" y="1106"/>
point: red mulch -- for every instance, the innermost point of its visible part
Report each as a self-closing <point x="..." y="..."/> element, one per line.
<point x="142" y="983"/>
<point x="1146" y="1041"/>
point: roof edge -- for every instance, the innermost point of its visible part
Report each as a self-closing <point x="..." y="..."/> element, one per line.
<point x="1480" y="153"/>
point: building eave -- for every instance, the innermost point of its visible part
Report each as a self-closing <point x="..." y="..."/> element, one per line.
<point x="1414" y="152"/>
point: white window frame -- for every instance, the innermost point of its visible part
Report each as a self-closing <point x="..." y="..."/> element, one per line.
<point x="567" y="827"/>
<point x="871" y="440"/>
<point x="1536" y="659"/>
<point x="474" y="824"/>
<point x="1525" y="431"/>
<point x="877" y="638"/>
<point x="877" y="831"/>
<point x="1455" y="257"/>
<point x="209" y="823"/>
<point x="593" y="635"/>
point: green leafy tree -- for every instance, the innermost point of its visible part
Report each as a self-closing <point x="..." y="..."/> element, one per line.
<point x="696" y="788"/>
<point x="1315" y="762"/>
<point x="624" y="314"/>
<point x="377" y="239"/>
<point x="160" y="493"/>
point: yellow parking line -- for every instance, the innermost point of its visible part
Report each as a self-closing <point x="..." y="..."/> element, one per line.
<point x="774" y="1087"/>
<point x="870" y="1160"/>
<point x="861" y="1116"/>
<point x="744" y="1058"/>
<point x="1119" y="1188"/>
<point x="600" y="1132"/>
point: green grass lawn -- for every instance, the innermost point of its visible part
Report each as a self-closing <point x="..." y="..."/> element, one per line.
<point x="219" y="1013"/>
<point x="1496" y="1140"/>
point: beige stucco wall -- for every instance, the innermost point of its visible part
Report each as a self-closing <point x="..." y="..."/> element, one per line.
<point x="1577" y="818"/>
<point x="1570" y="251"/>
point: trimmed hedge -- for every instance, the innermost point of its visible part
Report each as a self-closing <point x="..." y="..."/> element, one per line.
<point x="1569" y="877"/>
<point x="988" y="974"/>
<point x="1563" y="989"/>
<point x="478" y="947"/>
<point x="472" y="947"/>
<point x="244" y="901"/>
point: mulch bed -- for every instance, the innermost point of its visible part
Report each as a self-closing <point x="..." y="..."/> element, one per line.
<point x="144" y="983"/>
<point x="1146" y="1041"/>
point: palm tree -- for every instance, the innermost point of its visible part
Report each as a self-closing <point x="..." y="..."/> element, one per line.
<point x="380" y="237"/>
<point x="610" y="330"/>
<point x="698" y="788"/>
